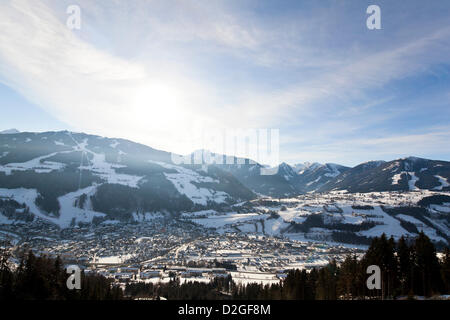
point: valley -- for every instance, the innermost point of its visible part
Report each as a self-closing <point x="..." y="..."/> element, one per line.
<point x="123" y="210"/>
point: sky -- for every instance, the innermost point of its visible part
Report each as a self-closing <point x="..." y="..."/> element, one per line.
<point x="159" y="72"/>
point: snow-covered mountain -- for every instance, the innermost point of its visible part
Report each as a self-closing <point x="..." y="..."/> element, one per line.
<point x="287" y="180"/>
<point x="282" y="182"/>
<point x="316" y="175"/>
<point x="66" y="178"/>
<point x="301" y="167"/>
<point x="9" y="131"/>
<point x="407" y="174"/>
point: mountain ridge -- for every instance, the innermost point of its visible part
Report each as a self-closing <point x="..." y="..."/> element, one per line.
<point x="117" y="177"/>
<point x="413" y="172"/>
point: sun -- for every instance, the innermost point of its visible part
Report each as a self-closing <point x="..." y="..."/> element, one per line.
<point x="156" y="103"/>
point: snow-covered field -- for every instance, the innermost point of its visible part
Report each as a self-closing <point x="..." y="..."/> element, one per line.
<point x="246" y="277"/>
<point x="412" y="179"/>
<point x="27" y="197"/>
<point x="184" y="181"/>
<point x="335" y="208"/>
<point x="112" y="259"/>
<point x="444" y="183"/>
<point x="105" y="170"/>
<point x="68" y="211"/>
<point x="98" y="165"/>
<point x="39" y="165"/>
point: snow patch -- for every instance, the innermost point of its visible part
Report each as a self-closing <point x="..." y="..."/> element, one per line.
<point x="39" y="165"/>
<point x="443" y="181"/>
<point x="184" y="181"/>
<point x="114" y="144"/>
<point x="59" y="143"/>
<point x="106" y="170"/>
<point x="412" y="181"/>
<point x="69" y="213"/>
<point x="397" y="177"/>
<point x="334" y="171"/>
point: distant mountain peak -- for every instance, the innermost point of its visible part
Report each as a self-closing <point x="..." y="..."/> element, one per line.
<point x="287" y="171"/>
<point x="302" y="167"/>
<point x="10" y="131"/>
<point x="284" y="165"/>
<point x="412" y="158"/>
<point x="372" y="163"/>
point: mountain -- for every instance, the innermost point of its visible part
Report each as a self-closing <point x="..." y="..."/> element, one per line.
<point x="281" y="182"/>
<point x="300" y="167"/>
<point x="9" y="131"/>
<point x="69" y="178"/>
<point x="407" y="174"/>
<point x="284" y="180"/>
<point x="316" y="175"/>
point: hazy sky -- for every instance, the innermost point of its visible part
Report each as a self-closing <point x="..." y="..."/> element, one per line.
<point x="153" y="71"/>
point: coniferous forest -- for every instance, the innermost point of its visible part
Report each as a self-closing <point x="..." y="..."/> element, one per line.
<point x="408" y="269"/>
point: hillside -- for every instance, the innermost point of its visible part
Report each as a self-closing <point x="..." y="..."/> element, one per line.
<point x="408" y="174"/>
<point x="66" y="178"/>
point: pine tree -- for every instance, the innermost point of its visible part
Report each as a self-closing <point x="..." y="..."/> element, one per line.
<point x="445" y="271"/>
<point x="6" y="276"/>
<point x="327" y="283"/>
<point x="405" y="262"/>
<point x="427" y="274"/>
<point x="347" y="283"/>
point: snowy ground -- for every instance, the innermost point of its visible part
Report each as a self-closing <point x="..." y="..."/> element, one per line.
<point x="68" y="211"/>
<point x="184" y="181"/>
<point x="335" y="207"/>
<point x="39" y="165"/>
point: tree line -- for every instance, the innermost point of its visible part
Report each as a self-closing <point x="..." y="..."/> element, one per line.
<point x="43" y="278"/>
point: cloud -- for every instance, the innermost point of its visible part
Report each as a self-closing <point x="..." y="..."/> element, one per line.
<point x="352" y="80"/>
<point x="356" y="150"/>
<point x="155" y="71"/>
<point x="90" y="88"/>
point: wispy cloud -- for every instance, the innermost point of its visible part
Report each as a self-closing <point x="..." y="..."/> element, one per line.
<point x="380" y="148"/>
<point x="153" y="71"/>
<point x="88" y="87"/>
